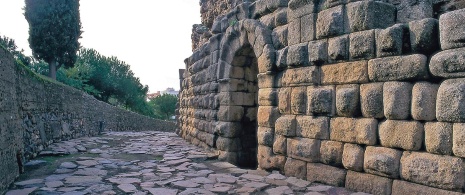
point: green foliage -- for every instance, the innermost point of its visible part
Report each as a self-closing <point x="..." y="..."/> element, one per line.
<point x="164" y="105"/>
<point x="10" y="45"/>
<point x="54" y="30"/>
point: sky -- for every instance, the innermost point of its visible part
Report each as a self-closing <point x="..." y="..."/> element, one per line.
<point x="153" y="36"/>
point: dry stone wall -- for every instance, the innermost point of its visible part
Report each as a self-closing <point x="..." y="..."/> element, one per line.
<point x="368" y="95"/>
<point x="36" y="112"/>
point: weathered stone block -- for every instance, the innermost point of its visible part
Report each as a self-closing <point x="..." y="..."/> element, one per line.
<point x="231" y="157"/>
<point x="459" y="139"/>
<point x="309" y="75"/>
<point x="228" y="129"/>
<point x="348" y="100"/>
<point x="268" y="161"/>
<point x="331" y="152"/>
<point x="312" y="127"/>
<point x="321" y="100"/>
<point x="338" y="49"/>
<point x="230" y="113"/>
<point x="408" y="11"/>
<point x="345" y="73"/>
<point x="318" y="52"/>
<point x="297" y="55"/>
<point x="438" y="138"/>
<point x="285" y="125"/>
<point x="367" y="15"/>
<point x="450" y="102"/>
<point x="228" y="144"/>
<point x="280" y="37"/>
<point x="295" y="168"/>
<point x="264" y="81"/>
<point x="390" y="41"/>
<point x="360" y="131"/>
<point x="362" y="45"/>
<point x="280" y="145"/>
<point x="281" y="16"/>
<point x="267" y="97"/>
<point x="330" y="22"/>
<point x="352" y="157"/>
<point x="452" y="29"/>
<point x="293" y="36"/>
<point x="299" y="100"/>
<point x="304" y="149"/>
<point x="371" y="100"/>
<point x="407" y="135"/>
<point x="368" y="183"/>
<point x="284" y="97"/>
<point x="307" y="24"/>
<point x="424" y="35"/>
<point x="397" y="68"/>
<point x="424" y="101"/>
<point x="281" y="58"/>
<point x="265" y="136"/>
<point x="326" y="174"/>
<point x="382" y="161"/>
<point x="449" y="63"/>
<point x="267" y="115"/>
<point x="396" y="99"/>
<point x="266" y="61"/>
<point x="444" y="172"/>
<point x="404" y="187"/>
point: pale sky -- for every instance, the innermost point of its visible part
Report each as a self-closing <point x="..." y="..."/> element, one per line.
<point x="153" y="36"/>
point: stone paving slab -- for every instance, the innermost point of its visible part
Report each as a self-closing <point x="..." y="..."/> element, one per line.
<point x="145" y="163"/>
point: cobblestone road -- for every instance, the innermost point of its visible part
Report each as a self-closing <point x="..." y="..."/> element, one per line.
<point x="148" y="163"/>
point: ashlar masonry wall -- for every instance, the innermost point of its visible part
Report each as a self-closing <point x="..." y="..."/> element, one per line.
<point x="35" y="112"/>
<point x="368" y="95"/>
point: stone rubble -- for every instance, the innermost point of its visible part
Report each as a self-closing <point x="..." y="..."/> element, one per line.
<point x="161" y="163"/>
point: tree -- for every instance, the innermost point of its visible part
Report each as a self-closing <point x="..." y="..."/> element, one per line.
<point x="164" y="105"/>
<point x="54" y="30"/>
<point x="10" y="45"/>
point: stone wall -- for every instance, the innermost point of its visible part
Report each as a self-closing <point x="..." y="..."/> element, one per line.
<point x="36" y="112"/>
<point x="368" y="95"/>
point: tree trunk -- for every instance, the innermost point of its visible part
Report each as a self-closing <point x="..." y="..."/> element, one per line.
<point x="52" y="70"/>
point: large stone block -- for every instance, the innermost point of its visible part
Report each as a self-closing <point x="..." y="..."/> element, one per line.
<point x="424" y="101"/>
<point x="331" y="152"/>
<point x="280" y="145"/>
<point x="308" y="27"/>
<point x="345" y="73"/>
<point x="348" y="100"/>
<point x="409" y="11"/>
<point x="267" y="115"/>
<point x="371" y="100"/>
<point x="228" y="144"/>
<point x="338" y="49"/>
<point x="352" y="157"/>
<point x="230" y="113"/>
<point x="295" y="168"/>
<point x="268" y="161"/>
<point x="391" y="41"/>
<point x="284" y="100"/>
<point x="267" y="97"/>
<point x="299" y="100"/>
<point x="449" y="63"/>
<point x="293" y="36"/>
<point x="407" y="135"/>
<point x="367" y="183"/>
<point x="280" y="37"/>
<point x="382" y="161"/>
<point x="352" y="130"/>
<point x="312" y="127"/>
<point x="450" y="102"/>
<point x="266" y="61"/>
<point x="397" y="99"/>
<point x="304" y="149"/>
<point x="362" y="45"/>
<point x="443" y="172"/>
<point x="326" y="174"/>
<point x="330" y="22"/>
<point x="264" y="81"/>
<point x="309" y="75"/>
<point x="321" y="100"/>
<point x="281" y="58"/>
<point x="438" y="138"/>
<point x="452" y="29"/>
<point x="398" y="68"/>
<point x="265" y="136"/>
<point x="424" y="35"/>
<point x="367" y="15"/>
<point x="404" y="187"/>
<point x="285" y="125"/>
<point x="297" y="55"/>
<point x="459" y="139"/>
<point x="318" y="52"/>
<point x="228" y="129"/>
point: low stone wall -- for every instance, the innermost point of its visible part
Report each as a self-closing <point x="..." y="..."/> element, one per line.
<point x="368" y="95"/>
<point x="36" y="112"/>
